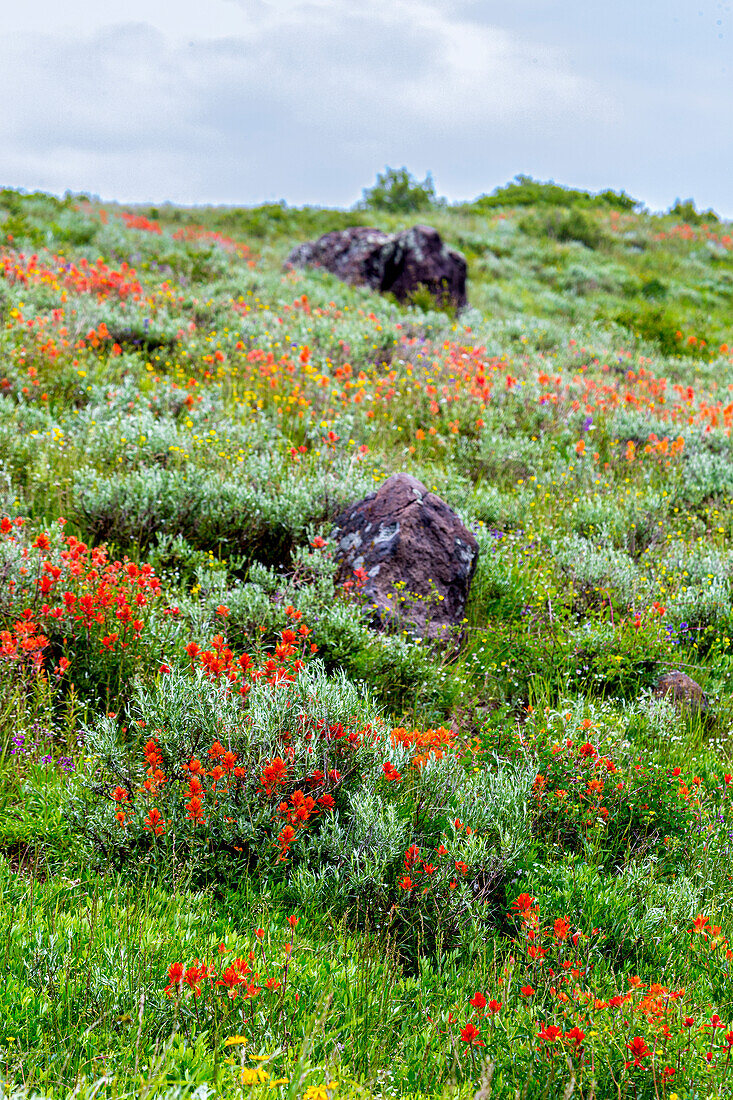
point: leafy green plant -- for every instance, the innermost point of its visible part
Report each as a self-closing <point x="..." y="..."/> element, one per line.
<point x="397" y="191"/>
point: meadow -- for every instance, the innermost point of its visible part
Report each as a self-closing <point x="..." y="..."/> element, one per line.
<point x="252" y="847"/>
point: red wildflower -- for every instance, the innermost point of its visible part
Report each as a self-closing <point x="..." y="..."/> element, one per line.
<point x="639" y="1051"/>
<point x="576" y="1035"/>
<point x="471" y="1035"/>
<point x="562" y="927"/>
<point x="523" y="903"/>
<point x="285" y="839"/>
<point x="412" y="857"/>
<point x="154" y="822"/>
<point x="175" y="977"/>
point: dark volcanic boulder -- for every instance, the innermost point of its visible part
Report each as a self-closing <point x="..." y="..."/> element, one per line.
<point x="414" y="556"/>
<point x="400" y="262"/>
<point x="347" y="253"/>
<point x="683" y="691"/>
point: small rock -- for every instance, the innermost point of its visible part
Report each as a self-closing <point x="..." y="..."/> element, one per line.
<point x="400" y="263"/>
<point x="415" y="557"/>
<point x="682" y="690"/>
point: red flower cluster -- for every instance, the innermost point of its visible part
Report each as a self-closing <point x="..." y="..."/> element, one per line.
<point x="280" y="667"/>
<point x="78" y="594"/>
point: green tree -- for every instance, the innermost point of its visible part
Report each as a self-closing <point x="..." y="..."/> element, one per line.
<point x="397" y="190"/>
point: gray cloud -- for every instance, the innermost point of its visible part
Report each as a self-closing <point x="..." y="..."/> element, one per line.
<point x="306" y="99"/>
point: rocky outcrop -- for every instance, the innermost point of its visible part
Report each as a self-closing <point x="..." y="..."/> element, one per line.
<point x="411" y="554"/>
<point x="400" y="263"/>
<point x="683" y="691"/>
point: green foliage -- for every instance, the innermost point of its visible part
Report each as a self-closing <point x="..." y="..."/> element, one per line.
<point x="686" y="211"/>
<point x="655" y="324"/>
<point x="396" y="190"/>
<point x="525" y="191"/>
<point x="517" y="816"/>
<point x="562" y="224"/>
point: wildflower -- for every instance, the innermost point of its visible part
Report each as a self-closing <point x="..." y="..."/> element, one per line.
<point x="256" y="1076"/>
<point x="550" y="1034"/>
<point x="273" y="774"/>
<point x="471" y="1035"/>
<point x="527" y="991"/>
<point x="562" y="927"/>
<point x="175" y="977"/>
<point x="154" y="822"/>
<point x="316" y="1092"/>
<point x="284" y="840"/>
<point x="293" y="920"/>
<point x="576" y="1035"/>
<point x="231" y="978"/>
<point x="523" y="903"/>
<point x="494" y="1007"/>
<point x="412" y="857"/>
<point x="194" y="810"/>
<point x="478" y="1001"/>
<point x="639" y="1050"/>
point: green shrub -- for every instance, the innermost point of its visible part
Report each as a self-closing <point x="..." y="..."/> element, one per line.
<point x="396" y="190"/>
<point x="524" y="191"/>
<point x="561" y="224"/>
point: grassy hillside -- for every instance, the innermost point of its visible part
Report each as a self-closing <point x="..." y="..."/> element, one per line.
<point x="248" y="845"/>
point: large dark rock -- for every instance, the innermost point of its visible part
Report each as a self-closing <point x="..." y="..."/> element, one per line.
<point x="400" y="262"/>
<point x="414" y="557"/>
<point x="683" y="691"/>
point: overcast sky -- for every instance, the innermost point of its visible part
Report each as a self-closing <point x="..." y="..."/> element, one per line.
<point x="243" y="101"/>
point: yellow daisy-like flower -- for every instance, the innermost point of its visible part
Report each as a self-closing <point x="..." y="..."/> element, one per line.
<point x="320" y="1092"/>
<point x="254" y="1076"/>
<point x="235" y="1040"/>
